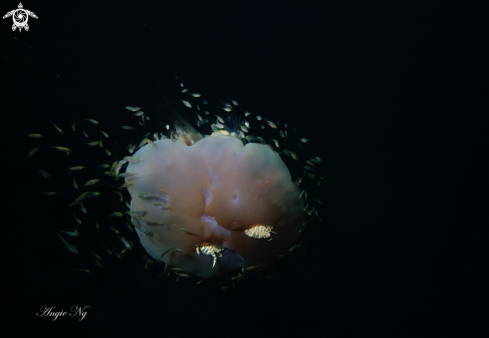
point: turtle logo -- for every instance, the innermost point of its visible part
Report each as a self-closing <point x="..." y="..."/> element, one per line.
<point x="20" y="17"/>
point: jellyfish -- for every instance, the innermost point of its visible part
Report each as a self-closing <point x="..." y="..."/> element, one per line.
<point x="215" y="205"/>
<point x="200" y="202"/>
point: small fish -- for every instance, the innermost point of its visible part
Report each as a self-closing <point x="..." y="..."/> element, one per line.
<point x="305" y="140"/>
<point x="243" y="128"/>
<point x="93" y="121"/>
<point x="126" y="185"/>
<point x="321" y="179"/>
<point x="127" y="128"/>
<point x="77" y="168"/>
<point x="139" y="113"/>
<point x="234" y="102"/>
<point x="220" y="119"/>
<point x="105" y="134"/>
<point x="108" y="152"/>
<point x="79" y="221"/>
<point x="121" y="197"/>
<point x="184" y="91"/>
<point x="100" y="144"/>
<point x="33" y="151"/>
<point x="132" y="159"/>
<point x="68" y="245"/>
<point x="294" y="247"/>
<point x="80" y="198"/>
<point x="116" y="167"/>
<point x="63" y="149"/>
<point x="195" y="95"/>
<point x="91" y="182"/>
<point x="116" y="213"/>
<point x="227" y="109"/>
<point x="57" y="128"/>
<point x="160" y="204"/>
<point x="147" y="196"/>
<point x="151" y="142"/>
<point x="127" y="174"/>
<point x="251" y="138"/>
<point x="84" y="270"/>
<point x="151" y="222"/>
<point x="182" y="274"/>
<point x="133" y="109"/>
<point x="36" y="136"/>
<point x="187" y="231"/>
<point x="93" y="144"/>
<point x="131" y="148"/>
<point x="258" y="117"/>
<point x="85" y="134"/>
<point x="142" y="143"/>
<point x="44" y="174"/>
<point x="49" y="193"/>
<point x="247" y="113"/>
<point x="271" y="124"/>
<point x="186" y="103"/>
<point x="164" y="253"/>
<point x="71" y="233"/>
<point x="126" y="243"/>
<point x="104" y="165"/>
<point x="73" y="126"/>
<point x="96" y="255"/>
<point x="74" y="183"/>
<point x="138" y="213"/>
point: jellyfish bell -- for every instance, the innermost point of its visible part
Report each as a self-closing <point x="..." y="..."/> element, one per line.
<point x="215" y="205"/>
<point x="202" y="201"/>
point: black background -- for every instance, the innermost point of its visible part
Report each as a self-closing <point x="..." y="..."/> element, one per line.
<point x="390" y="92"/>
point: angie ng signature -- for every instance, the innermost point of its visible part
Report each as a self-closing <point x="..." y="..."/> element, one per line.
<point x="74" y="311"/>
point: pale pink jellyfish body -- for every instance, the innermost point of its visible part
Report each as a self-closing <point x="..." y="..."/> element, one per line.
<point x="215" y="205"/>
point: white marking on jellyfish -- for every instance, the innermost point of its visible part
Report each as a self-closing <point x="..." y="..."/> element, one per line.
<point x="235" y="199"/>
<point x="213" y="174"/>
<point x="164" y="198"/>
<point x="210" y="226"/>
<point x="207" y="195"/>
